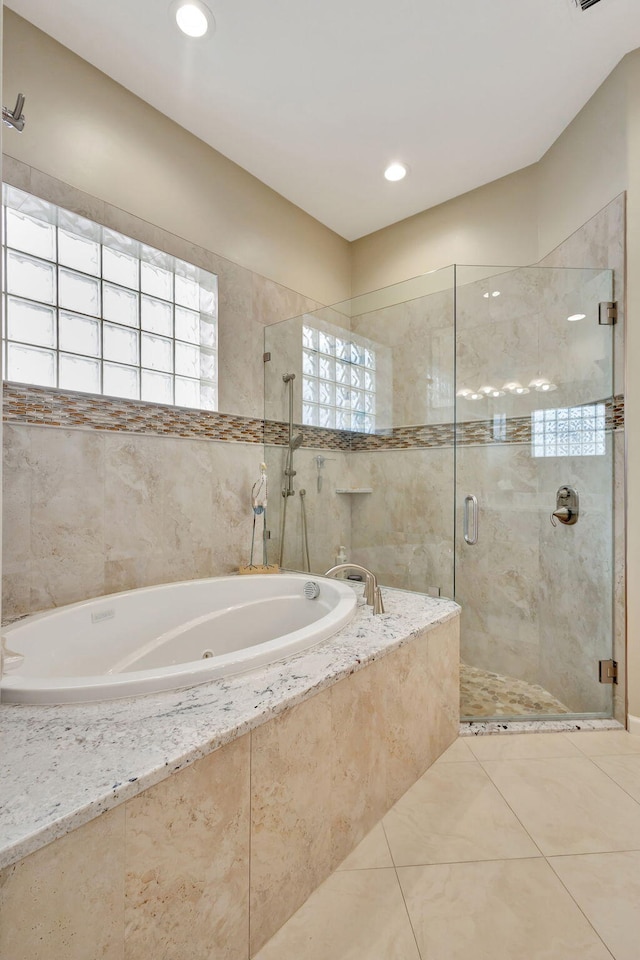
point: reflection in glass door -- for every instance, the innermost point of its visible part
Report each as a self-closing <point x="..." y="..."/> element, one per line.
<point x="533" y="426"/>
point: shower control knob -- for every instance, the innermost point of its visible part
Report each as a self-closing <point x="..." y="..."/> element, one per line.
<point x="567" y="506"/>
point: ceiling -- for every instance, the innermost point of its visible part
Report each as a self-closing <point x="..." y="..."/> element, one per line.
<point x="315" y="99"/>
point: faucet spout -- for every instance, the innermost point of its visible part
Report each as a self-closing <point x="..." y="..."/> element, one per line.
<point x="372" y="591"/>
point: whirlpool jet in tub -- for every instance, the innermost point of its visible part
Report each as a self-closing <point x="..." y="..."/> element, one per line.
<point x="170" y="636"/>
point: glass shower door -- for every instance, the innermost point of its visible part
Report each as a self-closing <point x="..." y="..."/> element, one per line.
<point x="534" y="384"/>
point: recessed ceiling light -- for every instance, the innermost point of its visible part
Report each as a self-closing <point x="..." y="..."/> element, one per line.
<point x="396" y="171"/>
<point x="496" y="293"/>
<point x="193" y="17"/>
<point x="486" y="296"/>
<point x="576" y="316"/>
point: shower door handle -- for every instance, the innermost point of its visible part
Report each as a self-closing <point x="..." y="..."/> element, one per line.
<point x="470" y="537"/>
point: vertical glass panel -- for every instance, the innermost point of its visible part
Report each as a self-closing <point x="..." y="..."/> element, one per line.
<point x="79" y="373"/>
<point x="157" y="316"/>
<point x="79" y="334"/>
<point x="120" y="305"/>
<point x="120" y="268"/>
<point x="119" y="343"/>
<point x="79" y="293"/>
<point x="119" y="381"/>
<point x="31" y="365"/>
<point x="79" y="253"/>
<point x="156" y="281"/>
<point x="31" y="235"/>
<point x="187" y="325"/>
<point x="31" y="278"/>
<point x="533" y="633"/>
<point x="187" y="392"/>
<point x="157" y="387"/>
<point x="157" y="353"/>
<point x="31" y="322"/>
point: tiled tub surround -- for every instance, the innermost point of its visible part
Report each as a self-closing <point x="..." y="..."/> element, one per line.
<point x="197" y="822"/>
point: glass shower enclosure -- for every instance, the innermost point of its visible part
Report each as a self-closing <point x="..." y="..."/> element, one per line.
<point x="438" y="424"/>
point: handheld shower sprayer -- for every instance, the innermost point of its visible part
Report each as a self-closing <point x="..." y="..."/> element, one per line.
<point x="15" y="118"/>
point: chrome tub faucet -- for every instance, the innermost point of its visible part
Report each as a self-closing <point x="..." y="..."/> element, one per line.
<point x="372" y="592"/>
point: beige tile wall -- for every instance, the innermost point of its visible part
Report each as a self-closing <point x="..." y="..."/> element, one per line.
<point x="214" y="859"/>
<point x="87" y="514"/>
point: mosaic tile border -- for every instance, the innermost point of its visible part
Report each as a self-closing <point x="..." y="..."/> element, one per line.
<point x="44" y="406"/>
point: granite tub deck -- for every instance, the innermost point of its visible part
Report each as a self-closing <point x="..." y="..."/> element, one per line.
<point x="195" y="822"/>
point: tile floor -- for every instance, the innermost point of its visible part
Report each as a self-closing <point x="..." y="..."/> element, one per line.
<point x="519" y="846"/>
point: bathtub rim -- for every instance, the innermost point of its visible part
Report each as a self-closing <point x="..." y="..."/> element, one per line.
<point x="60" y="690"/>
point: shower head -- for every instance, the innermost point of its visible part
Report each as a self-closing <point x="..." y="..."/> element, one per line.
<point x="295" y="442"/>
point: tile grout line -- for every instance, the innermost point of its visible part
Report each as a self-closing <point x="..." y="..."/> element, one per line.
<point x="619" y="785"/>
<point x="546" y="858"/>
<point x="404" y="900"/>
<point x="500" y="793"/>
<point x="563" y="884"/>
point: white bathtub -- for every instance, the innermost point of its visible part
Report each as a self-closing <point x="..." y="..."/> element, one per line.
<point x="170" y="636"/>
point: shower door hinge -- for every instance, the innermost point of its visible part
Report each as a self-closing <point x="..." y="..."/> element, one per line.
<point x="266" y="357"/>
<point x="608" y="671"/>
<point x="607" y="313"/>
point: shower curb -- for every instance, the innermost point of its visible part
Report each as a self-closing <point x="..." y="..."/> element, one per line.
<point x="479" y="728"/>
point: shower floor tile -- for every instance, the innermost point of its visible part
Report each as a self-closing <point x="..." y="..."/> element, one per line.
<point x="542" y="899"/>
<point x="484" y="694"/>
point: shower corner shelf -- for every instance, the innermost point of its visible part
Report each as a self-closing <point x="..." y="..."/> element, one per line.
<point x="354" y="489"/>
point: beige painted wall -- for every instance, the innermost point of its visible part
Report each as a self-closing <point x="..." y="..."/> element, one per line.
<point x="496" y="224"/>
<point x="518" y="219"/>
<point x="88" y="131"/>
<point x="586" y="167"/>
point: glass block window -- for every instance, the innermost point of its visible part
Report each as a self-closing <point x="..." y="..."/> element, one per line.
<point x="338" y="382"/>
<point x="87" y="308"/>
<point x="569" y="432"/>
